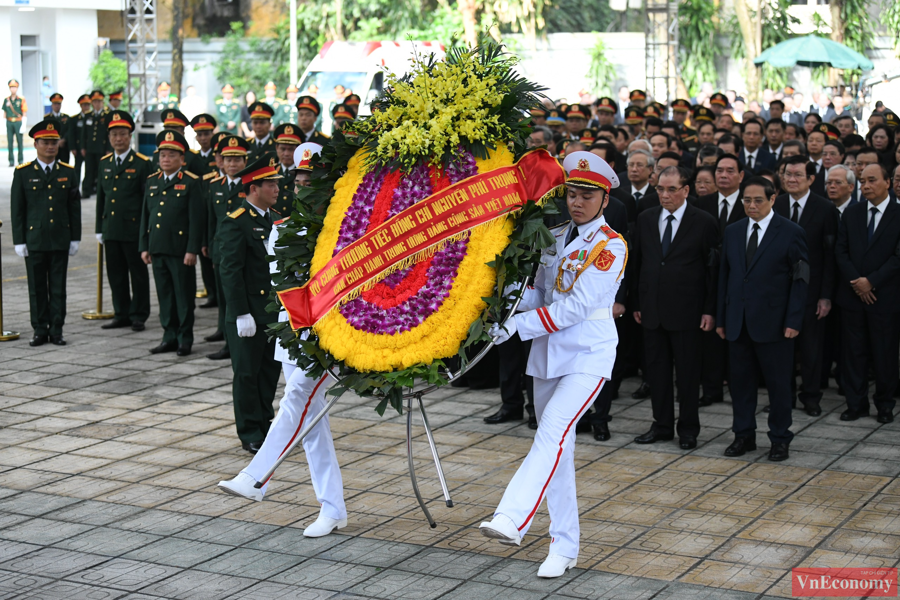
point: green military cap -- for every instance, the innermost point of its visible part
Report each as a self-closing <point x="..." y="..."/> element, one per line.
<point x="578" y="111"/>
<point x="173" y="117"/>
<point x="120" y="118"/>
<point x="97" y="95"/>
<point x="555" y="117"/>
<point x="341" y="111"/>
<point x="56" y="97"/>
<point x="203" y="122"/>
<point x="261" y="110"/>
<point x="84" y="99"/>
<point x="48" y="129"/>
<point x="634" y="115"/>
<point x="701" y="113"/>
<point x="831" y="132"/>
<point x="216" y="138"/>
<point x="637" y="95"/>
<point x="719" y="99"/>
<point x="681" y="105"/>
<point x="308" y="103"/>
<point x="651" y="110"/>
<point x="260" y="169"/>
<point x="288" y="133"/>
<point x="352" y="102"/>
<point x="12" y="83"/>
<point x="606" y="104"/>
<point x="171" y="140"/>
<point x="891" y="118"/>
<point x="232" y="145"/>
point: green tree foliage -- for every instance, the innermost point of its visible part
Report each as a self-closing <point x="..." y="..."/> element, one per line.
<point x="891" y="18"/>
<point x="776" y="28"/>
<point x="108" y="73"/>
<point x="567" y="16"/>
<point x="602" y="73"/>
<point x="697" y="48"/>
<point x="248" y="62"/>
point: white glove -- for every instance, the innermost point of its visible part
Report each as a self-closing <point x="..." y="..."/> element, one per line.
<point x="509" y="289"/>
<point x="73" y="248"/>
<point x="246" y="326"/>
<point x="100" y="238"/>
<point x="501" y="334"/>
<point x="22" y="250"/>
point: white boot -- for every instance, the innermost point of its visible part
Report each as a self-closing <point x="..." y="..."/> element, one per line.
<point x="324" y="526"/>
<point x="556" y="566"/>
<point x="244" y="486"/>
<point x="502" y="529"/>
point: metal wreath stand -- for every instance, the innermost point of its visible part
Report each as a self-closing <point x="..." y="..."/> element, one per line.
<point x="412" y="395"/>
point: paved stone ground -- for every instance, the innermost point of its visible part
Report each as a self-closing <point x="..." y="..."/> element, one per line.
<point x="109" y="459"/>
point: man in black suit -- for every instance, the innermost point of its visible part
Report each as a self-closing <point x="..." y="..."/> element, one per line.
<point x="752" y="157"/>
<point x="832" y="154"/>
<point x="819" y="219"/>
<point x="763" y="277"/>
<point x="640" y="168"/>
<point x="726" y="207"/>
<point x="868" y="260"/>
<point x="673" y="279"/>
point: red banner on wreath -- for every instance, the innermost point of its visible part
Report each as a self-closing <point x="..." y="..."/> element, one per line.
<point x="452" y="211"/>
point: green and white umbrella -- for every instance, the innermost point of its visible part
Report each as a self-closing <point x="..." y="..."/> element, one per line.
<point x="814" y="51"/>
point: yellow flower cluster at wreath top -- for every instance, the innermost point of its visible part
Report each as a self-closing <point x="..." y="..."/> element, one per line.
<point x="441" y="334"/>
<point x="437" y="111"/>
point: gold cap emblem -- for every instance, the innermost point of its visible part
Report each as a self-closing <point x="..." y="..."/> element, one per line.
<point x="233" y="142"/>
<point x="289" y="130"/>
<point x="583" y="165"/>
<point x="271" y="162"/>
<point x="170" y="116"/>
<point x="170" y="137"/>
<point x="116" y="117"/>
<point x="307" y="154"/>
<point x="202" y="120"/>
<point x="49" y="126"/>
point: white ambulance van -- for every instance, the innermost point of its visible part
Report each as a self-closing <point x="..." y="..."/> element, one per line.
<point x="341" y="68"/>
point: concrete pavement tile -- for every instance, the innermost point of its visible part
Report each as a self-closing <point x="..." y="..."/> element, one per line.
<point x="246" y="562"/>
<point x="27" y="479"/>
<point x="127" y="575"/>
<point x="862" y="542"/>
<point x="145" y="496"/>
<point x="227" y="531"/>
<point x="34" y="504"/>
<point x="20" y="456"/>
<point x="159" y="522"/>
<point x="14" y="585"/>
<point x="326" y="575"/>
<point x="447" y="563"/>
<point x="197" y="585"/>
<point x="520" y="574"/>
<point x="81" y="487"/>
<point x="266" y="590"/>
<point x="679" y="591"/>
<point x="374" y="553"/>
<point x="59" y="443"/>
<point x="107" y="541"/>
<point x="471" y="590"/>
<point x="715" y="574"/>
<point x="392" y="584"/>
<point x="176" y="552"/>
<point x="43" y="531"/>
<point x="69" y="590"/>
<point x="874" y="466"/>
<point x="10" y="550"/>
<point x="288" y="540"/>
<point x="593" y="584"/>
<point x="90" y="512"/>
<point x="53" y="562"/>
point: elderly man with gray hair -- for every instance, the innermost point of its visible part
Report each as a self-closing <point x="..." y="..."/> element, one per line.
<point x="840" y="185"/>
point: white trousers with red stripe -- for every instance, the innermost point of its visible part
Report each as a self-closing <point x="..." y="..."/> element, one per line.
<point x="549" y="468"/>
<point x="303" y="398"/>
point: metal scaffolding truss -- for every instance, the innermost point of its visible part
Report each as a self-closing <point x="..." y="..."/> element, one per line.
<point x="661" y="35"/>
<point x="142" y="55"/>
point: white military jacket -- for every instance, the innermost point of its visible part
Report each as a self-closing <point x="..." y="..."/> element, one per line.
<point x="573" y="329"/>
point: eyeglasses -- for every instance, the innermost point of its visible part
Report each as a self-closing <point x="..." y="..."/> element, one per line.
<point x="757" y="201"/>
<point x="671" y="190"/>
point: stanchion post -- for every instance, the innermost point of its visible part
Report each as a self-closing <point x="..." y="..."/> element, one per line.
<point x="5" y="336"/>
<point x="93" y="315"/>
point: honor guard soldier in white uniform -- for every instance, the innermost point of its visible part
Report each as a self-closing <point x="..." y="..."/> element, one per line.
<point x="568" y="315"/>
<point x="303" y="398"/>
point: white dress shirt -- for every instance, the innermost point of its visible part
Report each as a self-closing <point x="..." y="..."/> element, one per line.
<point x="730" y="200"/>
<point x="262" y="212"/>
<point x="45" y="165"/>
<point x="169" y="178"/>
<point x="818" y="164"/>
<point x="236" y="180"/>
<point x="664" y="220"/>
<point x="776" y="152"/>
<point x="842" y="207"/>
<point x="763" y="225"/>
<point x="264" y="140"/>
<point x="802" y="202"/>
<point x="878" y="214"/>
<point x="643" y="191"/>
<point x="748" y="155"/>
<point x="122" y="157"/>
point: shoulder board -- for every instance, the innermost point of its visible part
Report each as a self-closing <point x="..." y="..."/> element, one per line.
<point x="47" y="115"/>
<point x="154" y="173"/>
<point x="220" y="101"/>
<point x="194" y="151"/>
<point x="191" y="175"/>
<point x="107" y="156"/>
<point x="139" y="155"/>
<point x="62" y="164"/>
<point x="325" y="135"/>
<point x="23" y="165"/>
<point x="275" y="211"/>
<point x="279" y="221"/>
<point x="209" y="175"/>
<point x="610" y="233"/>
<point x="563" y="224"/>
<point x="236" y="213"/>
<point x="219" y="178"/>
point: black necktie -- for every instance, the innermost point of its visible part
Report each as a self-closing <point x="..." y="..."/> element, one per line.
<point x="573" y="233"/>
<point x="667" y="235"/>
<point x="118" y="161"/>
<point x="723" y="215"/>
<point x="637" y="197"/>
<point x="874" y="212"/>
<point x="753" y="244"/>
<point x="47" y="170"/>
<point x="231" y="186"/>
<point x="750" y="162"/>
<point x="795" y="216"/>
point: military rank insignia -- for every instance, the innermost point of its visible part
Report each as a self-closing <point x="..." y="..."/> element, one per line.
<point x="605" y="260"/>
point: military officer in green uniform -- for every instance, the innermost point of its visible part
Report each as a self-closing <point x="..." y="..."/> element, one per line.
<point x="341" y="115"/>
<point x="226" y="193"/>
<point x="308" y="110"/>
<point x="120" y="200"/>
<point x="352" y="102"/>
<point x="93" y="142"/>
<point x="14" y="109"/>
<point x="73" y="135"/>
<point x="261" y="123"/>
<point x="46" y="224"/>
<point x="174" y="120"/>
<point x="56" y="113"/>
<point x="247" y="283"/>
<point x="681" y="108"/>
<point x="171" y="238"/>
<point x="270" y="98"/>
<point x="205" y="166"/>
<point x="285" y="112"/>
<point x="287" y="138"/>
<point x="115" y="100"/>
<point x="228" y="111"/>
<point x="164" y="100"/>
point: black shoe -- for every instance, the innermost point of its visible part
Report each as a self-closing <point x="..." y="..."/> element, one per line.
<point x="642" y="392"/>
<point x="57" y="340"/>
<point x="220" y="355"/>
<point x="885" y="416"/>
<point x="504" y="415"/>
<point x="740" y="446"/>
<point x="687" y="442"/>
<point x="116" y="324"/>
<point x="653" y="436"/>
<point x="211" y="303"/>
<point x="251" y="447"/>
<point x="39" y="340"/>
<point x="216" y="337"/>
<point x="601" y="432"/>
<point x="778" y="452"/>
<point x="532" y="421"/>
<point x="137" y="326"/>
<point x="164" y="347"/>
<point x="584" y="425"/>
<point x="710" y="400"/>
<point x="812" y="409"/>
<point x="853" y="415"/>
<point x="183" y="350"/>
